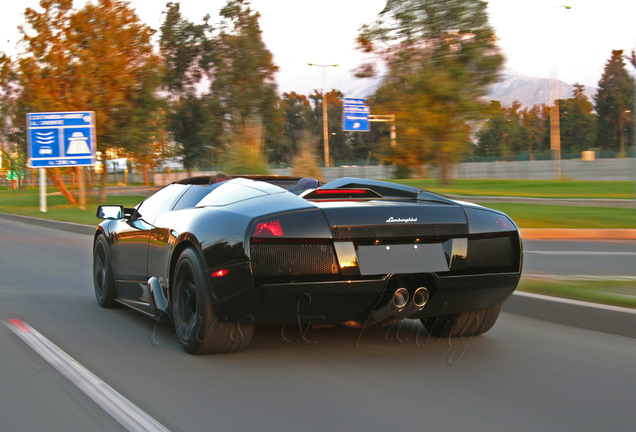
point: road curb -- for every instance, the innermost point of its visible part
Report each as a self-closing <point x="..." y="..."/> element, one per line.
<point x="64" y="226"/>
<point x="591" y="316"/>
<point x="577" y="234"/>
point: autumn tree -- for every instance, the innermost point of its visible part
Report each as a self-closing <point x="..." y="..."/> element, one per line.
<point x="614" y="104"/>
<point x="8" y="112"/>
<point x="99" y="58"/>
<point x="535" y="131"/>
<point x="441" y="57"/>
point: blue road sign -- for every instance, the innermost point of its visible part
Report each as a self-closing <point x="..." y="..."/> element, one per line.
<point x="353" y="102"/>
<point x="61" y="139"/>
<point x="356" y="118"/>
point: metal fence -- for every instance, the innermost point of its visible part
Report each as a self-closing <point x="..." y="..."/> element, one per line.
<point x="616" y="169"/>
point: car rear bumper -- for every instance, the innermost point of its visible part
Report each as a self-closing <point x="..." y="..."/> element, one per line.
<point x="336" y="302"/>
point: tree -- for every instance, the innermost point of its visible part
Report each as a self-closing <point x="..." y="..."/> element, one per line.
<point x="12" y="143"/>
<point x="535" y="131"/>
<point x="188" y="53"/>
<point x="441" y="57"/>
<point x="578" y="122"/>
<point x="490" y="136"/>
<point x="337" y="138"/>
<point x="299" y="125"/>
<point x="98" y="58"/>
<point x="501" y="135"/>
<point x="242" y="80"/>
<point x="614" y="105"/>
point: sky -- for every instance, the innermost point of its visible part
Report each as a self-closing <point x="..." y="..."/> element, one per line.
<point x="539" y="38"/>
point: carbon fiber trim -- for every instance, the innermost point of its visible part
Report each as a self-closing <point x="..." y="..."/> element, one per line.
<point x="398" y="231"/>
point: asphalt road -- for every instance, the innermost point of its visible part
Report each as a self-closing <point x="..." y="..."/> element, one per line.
<point x="524" y="374"/>
<point x="580" y="258"/>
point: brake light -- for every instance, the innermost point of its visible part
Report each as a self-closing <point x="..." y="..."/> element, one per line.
<point x="341" y="191"/>
<point x="340" y="194"/>
<point x="271" y="228"/>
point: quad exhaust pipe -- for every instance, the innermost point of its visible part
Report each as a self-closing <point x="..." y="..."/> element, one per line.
<point x="399" y="307"/>
<point x="397" y="303"/>
<point x="417" y="303"/>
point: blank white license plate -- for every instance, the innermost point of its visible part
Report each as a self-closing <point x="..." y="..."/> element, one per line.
<point x="383" y="259"/>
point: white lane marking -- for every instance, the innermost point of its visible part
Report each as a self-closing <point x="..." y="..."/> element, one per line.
<point x="581" y="277"/>
<point x="576" y="302"/>
<point x="121" y="409"/>
<point x="581" y="253"/>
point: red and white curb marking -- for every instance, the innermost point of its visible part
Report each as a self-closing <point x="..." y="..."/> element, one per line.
<point x="121" y="409"/>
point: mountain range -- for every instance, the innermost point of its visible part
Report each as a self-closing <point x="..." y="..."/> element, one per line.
<point x="513" y="86"/>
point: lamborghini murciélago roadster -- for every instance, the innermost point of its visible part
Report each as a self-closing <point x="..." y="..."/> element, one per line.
<point x="217" y="259"/>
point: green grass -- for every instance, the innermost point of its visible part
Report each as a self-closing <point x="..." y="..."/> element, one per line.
<point x="26" y="202"/>
<point x="548" y="216"/>
<point x="604" y="291"/>
<point x="531" y="188"/>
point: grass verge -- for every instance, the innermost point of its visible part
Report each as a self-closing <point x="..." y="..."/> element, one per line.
<point x="604" y="291"/>
<point x="27" y="203"/>
<point x="548" y="216"/>
<point x="530" y="188"/>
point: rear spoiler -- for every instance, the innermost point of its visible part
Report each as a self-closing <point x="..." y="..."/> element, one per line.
<point x="386" y="189"/>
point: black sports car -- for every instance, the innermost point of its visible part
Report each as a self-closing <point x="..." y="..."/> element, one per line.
<point x="219" y="258"/>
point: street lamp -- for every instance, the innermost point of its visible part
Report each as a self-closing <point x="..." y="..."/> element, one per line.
<point x="325" y="124"/>
<point x="555" y="123"/>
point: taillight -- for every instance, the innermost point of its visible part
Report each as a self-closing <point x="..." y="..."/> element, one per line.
<point x="270" y="228"/>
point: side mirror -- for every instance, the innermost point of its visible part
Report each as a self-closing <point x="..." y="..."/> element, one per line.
<point x="112" y="212"/>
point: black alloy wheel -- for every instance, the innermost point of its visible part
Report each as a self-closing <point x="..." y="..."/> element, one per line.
<point x="199" y="332"/>
<point x="103" y="280"/>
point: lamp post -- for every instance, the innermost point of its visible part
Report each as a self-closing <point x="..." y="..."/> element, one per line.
<point x="325" y="124"/>
<point x="555" y="123"/>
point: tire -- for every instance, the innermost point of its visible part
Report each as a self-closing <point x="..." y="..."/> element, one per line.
<point x="199" y="332"/>
<point x="463" y="324"/>
<point x="103" y="279"/>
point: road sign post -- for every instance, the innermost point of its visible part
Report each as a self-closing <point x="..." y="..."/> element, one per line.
<point x="60" y="139"/>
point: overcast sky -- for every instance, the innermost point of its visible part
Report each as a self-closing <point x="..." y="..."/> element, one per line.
<point x="537" y="36"/>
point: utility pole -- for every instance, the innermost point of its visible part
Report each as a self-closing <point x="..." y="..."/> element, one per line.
<point x="325" y="120"/>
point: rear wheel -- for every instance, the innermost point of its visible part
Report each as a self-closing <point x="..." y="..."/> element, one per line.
<point x="103" y="279"/>
<point x="198" y="330"/>
<point x="463" y="324"/>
